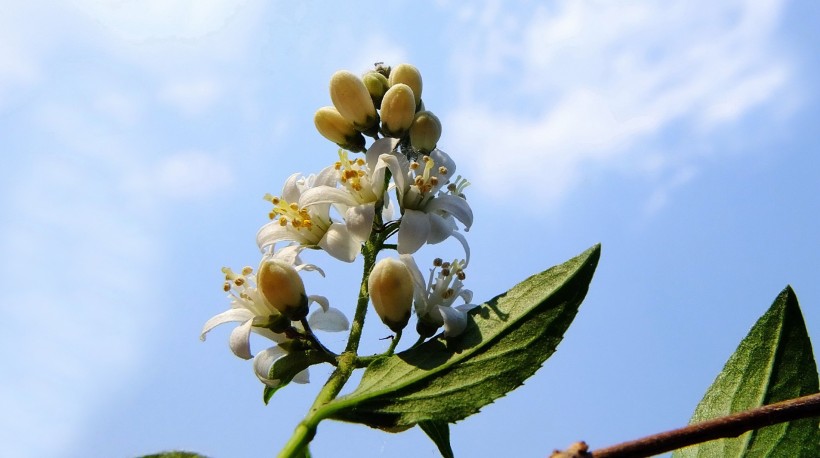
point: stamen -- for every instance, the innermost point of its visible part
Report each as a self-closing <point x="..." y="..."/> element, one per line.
<point x="247" y="270"/>
<point x="437" y="262"/>
<point x="226" y="287"/>
<point x="442" y="170"/>
<point x="239" y="281"/>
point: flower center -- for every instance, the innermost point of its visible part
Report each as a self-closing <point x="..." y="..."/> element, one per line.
<point x="354" y="175"/>
<point x="447" y="284"/>
<point x="242" y="288"/>
<point x="290" y="213"/>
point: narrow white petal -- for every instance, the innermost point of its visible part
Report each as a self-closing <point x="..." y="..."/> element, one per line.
<point x="455" y="321"/>
<point x="381" y="146"/>
<point x="321" y="300"/>
<point x="359" y="220"/>
<point x="302" y="377"/>
<point x="454" y="205"/>
<point x="387" y="210"/>
<point x="466" y="294"/>
<point x="443" y="159"/>
<point x="419" y="286"/>
<point x="440" y="228"/>
<point x="460" y="237"/>
<point x="413" y="231"/>
<point x="339" y="243"/>
<point x="326" y="195"/>
<point x="327" y="177"/>
<point x="291" y="191"/>
<point x="332" y="320"/>
<point x="225" y="317"/>
<point x="240" y="340"/>
<point x="272" y="233"/>
<point x="398" y="167"/>
<point x="263" y="363"/>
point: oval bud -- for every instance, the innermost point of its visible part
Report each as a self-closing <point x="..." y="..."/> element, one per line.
<point x="282" y="288"/>
<point x="351" y="98"/>
<point x="334" y="127"/>
<point x="425" y="132"/>
<point x="376" y="85"/>
<point x="398" y="110"/>
<point x="391" y="291"/>
<point x="409" y="75"/>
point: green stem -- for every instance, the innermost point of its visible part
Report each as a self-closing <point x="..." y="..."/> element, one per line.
<point x="347" y="360"/>
<point x="393" y="344"/>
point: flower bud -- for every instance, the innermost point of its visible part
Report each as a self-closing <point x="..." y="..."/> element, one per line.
<point x="282" y="288"/>
<point x="425" y="132"/>
<point x="398" y="110"/>
<point x="351" y="98"/>
<point x="334" y="127"/>
<point x="391" y="290"/>
<point x="376" y="85"/>
<point x="409" y="75"/>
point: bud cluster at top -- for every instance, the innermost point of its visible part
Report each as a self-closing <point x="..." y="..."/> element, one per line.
<point x="384" y="101"/>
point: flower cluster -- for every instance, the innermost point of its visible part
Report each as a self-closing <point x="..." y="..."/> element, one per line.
<point x="403" y="186"/>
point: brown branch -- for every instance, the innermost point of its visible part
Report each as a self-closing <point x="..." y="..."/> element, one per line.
<point x="728" y="426"/>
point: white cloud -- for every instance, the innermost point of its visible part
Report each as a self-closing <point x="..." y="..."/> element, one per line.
<point x="191" y="175"/>
<point x="587" y="81"/>
<point x="191" y="97"/>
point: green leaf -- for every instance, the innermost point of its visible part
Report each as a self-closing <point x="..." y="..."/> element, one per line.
<point x="773" y="363"/>
<point x="286" y="367"/>
<point x="439" y="432"/>
<point x="506" y="341"/>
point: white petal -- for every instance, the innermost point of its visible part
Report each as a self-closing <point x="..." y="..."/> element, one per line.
<point x="399" y="167"/>
<point x="381" y="146"/>
<point x="454" y="205"/>
<point x="291" y="191"/>
<point x="419" y="286"/>
<point x="460" y="237"/>
<point x="339" y="243"/>
<point x="359" y="220"/>
<point x="387" y="210"/>
<point x="302" y="377"/>
<point x="240" y="340"/>
<point x="442" y="159"/>
<point x="413" y="231"/>
<point x="263" y="363"/>
<point x="440" y="228"/>
<point x="467" y="295"/>
<point x="455" y="321"/>
<point x="272" y="233"/>
<point x="327" y="177"/>
<point x="225" y="317"/>
<point x="321" y="300"/>
<point x="332" y="320"/>
<point x="326" y="195"/>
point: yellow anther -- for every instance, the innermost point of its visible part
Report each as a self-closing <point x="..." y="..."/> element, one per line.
<point x="297" y="223"/>
<point x="283" y="221"/>
<point x="247" y="270"/>
<point x="461" y="275"/>
<point x="226" y="287"/>
<point x="437" y="262"/>
<point x="414" y="165"/>
<point x="445" y="272"/>
<point x="337" y="166"/>
<point x="239" y="281"/>
<point x="294" y="207"/>
<point x="434" y="181"/>
<point x="360" y="162"/>
<point x="442" y="170"/>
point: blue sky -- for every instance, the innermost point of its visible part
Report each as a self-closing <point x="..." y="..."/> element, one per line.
<point x="139" y="138"/>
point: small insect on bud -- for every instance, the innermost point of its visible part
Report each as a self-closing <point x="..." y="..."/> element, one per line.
<point x="425" y="132"/>
<point x="376" y="85"/>
<point x="391" y="291"/>
<point x="409" y="75"/>
<point x="282" y="288"/>
<point x="398" y="110"/>
<point x="334" y="127"/>
<point x="351" y="98"/>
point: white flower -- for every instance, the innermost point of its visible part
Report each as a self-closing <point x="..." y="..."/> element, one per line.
<point x="434" y="299"/>
<point x="293" y="220"/>
<point x="428" y="212"/>
<point x="362" y="186"/>
<point x="252" y="311"/>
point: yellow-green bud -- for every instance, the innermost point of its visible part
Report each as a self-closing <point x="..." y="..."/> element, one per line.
<point x="334" y="127"/>
<point x="409" y="75"/>
<point x="391" y="291"/>
<point x="282" y="288"/>
<point x="398" y="110"/>
<point x="376" y="85"/>
<point x="425" y="132"/>
<point x="351" y="98"/>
